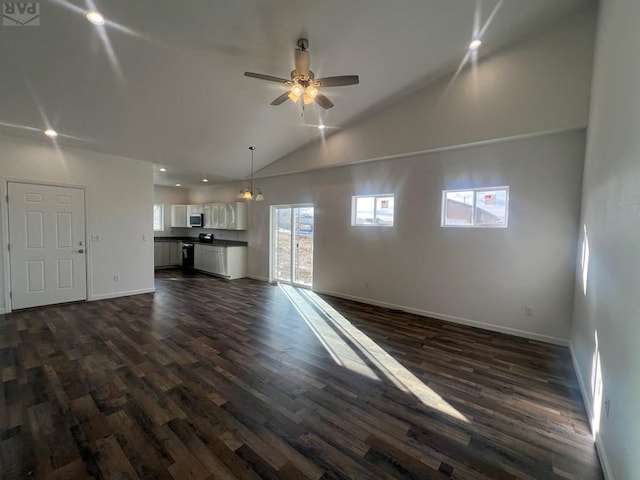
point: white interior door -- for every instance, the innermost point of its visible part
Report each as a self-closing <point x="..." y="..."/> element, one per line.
<point x="46" y="245"/>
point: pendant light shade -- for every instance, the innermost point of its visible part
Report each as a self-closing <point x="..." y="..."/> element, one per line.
<point x="247" y="193"/>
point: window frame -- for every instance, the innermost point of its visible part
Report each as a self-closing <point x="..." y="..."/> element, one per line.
<point x="476" y="191"/>
<point x="376" y="196"/>
<point x="161" y="229"/>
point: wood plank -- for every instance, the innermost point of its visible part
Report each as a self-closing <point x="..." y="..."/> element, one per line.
<point x="211" y="379"/>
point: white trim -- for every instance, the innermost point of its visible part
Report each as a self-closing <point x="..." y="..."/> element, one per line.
<point x="259" y="278"/>
<point x="461" y="146"/>
<point x="473" y="224"/>
<point x="375" y="196"/>
<point x="453" y="319"/>
<point x="4" y="215"/>
<point x="272" y="246"/>
<point x="586" y="400"/>
<point x="2" y="311"/>
<point x="127" y="293"/>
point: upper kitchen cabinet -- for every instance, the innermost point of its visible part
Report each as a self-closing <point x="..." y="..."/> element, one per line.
<point x="237" y="216"/>
<point x="221" y="216"/>
<point x="194" y="209"/>
<point x="178" y="215"/>
<point x="215" y="216"/>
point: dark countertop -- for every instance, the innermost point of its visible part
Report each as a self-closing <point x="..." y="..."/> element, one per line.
<point x="216" y="242"/>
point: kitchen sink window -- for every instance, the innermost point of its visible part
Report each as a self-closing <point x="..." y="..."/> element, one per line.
<point x="372" y="210"/>
<point x="158" y="217"/>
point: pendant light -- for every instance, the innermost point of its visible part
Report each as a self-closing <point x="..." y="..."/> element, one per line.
<point x="247" y="193"/>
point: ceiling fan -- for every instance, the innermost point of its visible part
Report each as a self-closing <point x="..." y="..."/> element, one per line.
<point x="303" y="83"/>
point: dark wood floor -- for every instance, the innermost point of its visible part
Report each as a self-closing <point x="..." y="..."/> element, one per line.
<point x="209" y="379"/>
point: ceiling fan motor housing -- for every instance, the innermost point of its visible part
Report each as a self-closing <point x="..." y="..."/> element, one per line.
<point x="302" y="63"/>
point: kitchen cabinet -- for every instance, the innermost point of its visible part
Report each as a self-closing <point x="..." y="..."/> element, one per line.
<point x="175" y="253"/>
<point x="178" y="215"/>
<point x="221" y="216"/>
<point x="215" y="216"/>
<point x="160" y="254"/>
<point x="167" y="254"/>
<point x="236" y="216"/>
<point x="236" y="262"/>
<point x="194" y="209"/>
<point x="197" y="257"/>
<point x="208" y="217"/>
<point x="228" y="262"/>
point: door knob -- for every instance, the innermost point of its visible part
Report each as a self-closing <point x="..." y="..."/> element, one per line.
<point x="81" y="250"/>
<point x="80" y="242"/>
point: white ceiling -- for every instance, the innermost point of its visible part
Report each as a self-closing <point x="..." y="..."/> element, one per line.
<point x="165" y="83"/>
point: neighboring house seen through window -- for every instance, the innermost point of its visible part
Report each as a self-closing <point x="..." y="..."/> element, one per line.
<point x="476" y="207"/>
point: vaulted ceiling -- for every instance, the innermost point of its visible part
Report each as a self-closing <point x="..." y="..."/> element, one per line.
<point x="163" y="80"/>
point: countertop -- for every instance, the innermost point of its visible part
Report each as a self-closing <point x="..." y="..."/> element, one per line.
<point x="216" y="242"/>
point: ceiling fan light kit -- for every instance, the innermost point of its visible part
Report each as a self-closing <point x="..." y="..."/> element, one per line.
<point x="303" y="82"/>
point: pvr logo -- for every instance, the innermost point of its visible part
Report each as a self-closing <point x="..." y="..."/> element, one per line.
<point x="20" y="14"/>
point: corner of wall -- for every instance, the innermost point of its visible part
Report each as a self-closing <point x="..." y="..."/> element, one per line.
<point x="586" y="400"/>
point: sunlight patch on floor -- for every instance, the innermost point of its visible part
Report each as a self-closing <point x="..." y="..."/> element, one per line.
<point x="351" y="348"/>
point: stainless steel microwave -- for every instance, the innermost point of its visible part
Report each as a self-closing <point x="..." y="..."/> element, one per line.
<point x="196" y="220"/>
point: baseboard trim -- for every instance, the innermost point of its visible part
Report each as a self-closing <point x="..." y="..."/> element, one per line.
<point x="453" y="319"/>
<point x="2" y="311"/>
<point x="586" y="400"/>
<point x="256" y="277"/>
<point x="126" y="293"/>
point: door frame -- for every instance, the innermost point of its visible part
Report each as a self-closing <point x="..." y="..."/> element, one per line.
<point x="4" y="217"/>
<point x="272" y="246"/>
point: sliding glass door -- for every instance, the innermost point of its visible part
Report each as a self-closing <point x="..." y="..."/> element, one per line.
<point x="292" y="244"/>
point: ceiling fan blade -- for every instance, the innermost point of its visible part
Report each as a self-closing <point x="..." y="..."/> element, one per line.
<point x="281" y="99"/>
<point x="338" y="81"/>
<point x="269" y="78"/>
<point x="323" y="101"/>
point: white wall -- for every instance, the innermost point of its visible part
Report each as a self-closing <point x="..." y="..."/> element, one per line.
<point x="541" y="83"/>
<point x="611" y="213"/>
<point x="119" y="198"/>
<point x="484" y="277"/>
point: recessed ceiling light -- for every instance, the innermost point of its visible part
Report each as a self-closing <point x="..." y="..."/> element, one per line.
<point x="95" y="17"/>
<point x="321" y="127"/>
<point x="205" y="180"/>
<point x="163" y="169"/>
<point x="51" y="133"/>
<point x="178" y="185"/>
<point x="475" y="44"/>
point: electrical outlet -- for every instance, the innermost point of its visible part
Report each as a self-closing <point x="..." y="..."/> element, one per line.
<point x="144" y="237"/>
<point x="95" y="238"/>
<point x="528" y="311"/>
<point x="116" y="278"/>
<point x="366" y="284"/>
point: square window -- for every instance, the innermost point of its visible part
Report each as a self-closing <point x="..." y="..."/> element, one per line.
<point x="372" y="210"/>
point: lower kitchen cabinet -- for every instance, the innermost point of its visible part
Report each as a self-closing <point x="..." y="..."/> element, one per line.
<point x="167" y="254"/>
<point x="228" y="262"/>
